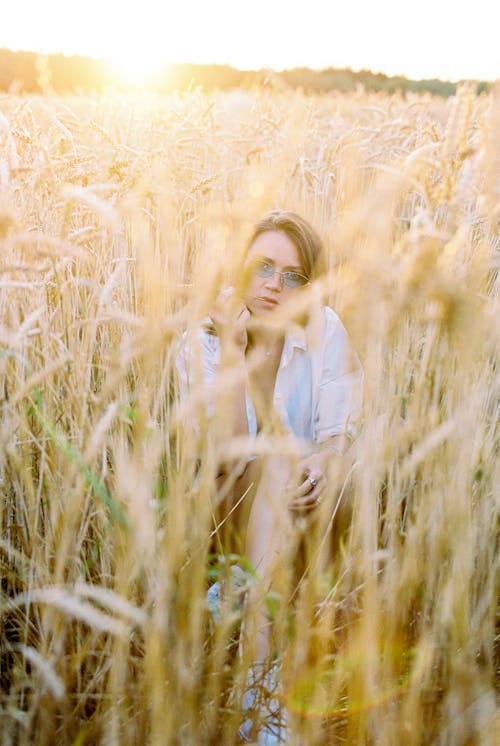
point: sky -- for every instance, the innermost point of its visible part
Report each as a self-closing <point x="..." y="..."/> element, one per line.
<point x="446" y="39"/>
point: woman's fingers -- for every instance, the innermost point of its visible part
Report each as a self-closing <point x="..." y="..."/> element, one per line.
<point x="307" y="496"/>
<point x="309" y="485"/>
<point x="223" y="307"/>
<point x="243" y="315"/>
<point x="240" y="335"/>
<point x="230" y="317"/>
<point x="305" y="504"/>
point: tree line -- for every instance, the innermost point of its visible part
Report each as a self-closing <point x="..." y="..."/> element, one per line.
<point x="30" y="72"/>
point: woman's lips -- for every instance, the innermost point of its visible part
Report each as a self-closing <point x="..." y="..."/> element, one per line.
<point x="269" y="301"/>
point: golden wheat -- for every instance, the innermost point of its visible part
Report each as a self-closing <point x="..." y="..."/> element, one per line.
<point x="119" y="217"/>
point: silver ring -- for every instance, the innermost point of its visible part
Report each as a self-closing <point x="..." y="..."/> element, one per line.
<point x="313" y="481"/>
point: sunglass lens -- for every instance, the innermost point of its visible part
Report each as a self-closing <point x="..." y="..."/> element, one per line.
<point x="264" y="269"/>
<point x="294" y="280"/>
<point x="291" y="279"/>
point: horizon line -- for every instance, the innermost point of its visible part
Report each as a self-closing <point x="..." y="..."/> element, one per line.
<point x="163" y="65"/>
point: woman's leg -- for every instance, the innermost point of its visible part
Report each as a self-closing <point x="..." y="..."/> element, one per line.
<point x="253" y="519"/>
<point x="270" y="541"/>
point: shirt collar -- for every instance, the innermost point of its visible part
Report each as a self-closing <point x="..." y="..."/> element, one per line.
<point x="295" y="337"/>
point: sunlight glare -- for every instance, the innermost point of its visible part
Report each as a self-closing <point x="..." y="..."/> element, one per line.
<point x="137" y="69"/>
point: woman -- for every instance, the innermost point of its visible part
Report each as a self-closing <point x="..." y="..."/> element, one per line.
<point x="280" y="377"/>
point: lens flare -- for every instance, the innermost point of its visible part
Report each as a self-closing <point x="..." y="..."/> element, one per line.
<point x="329" y="692"/>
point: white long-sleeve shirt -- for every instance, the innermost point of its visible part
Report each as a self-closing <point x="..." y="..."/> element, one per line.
<point x="318" y="388"/>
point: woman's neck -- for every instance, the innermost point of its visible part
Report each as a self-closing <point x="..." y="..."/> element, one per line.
<point x="267" y="341"/>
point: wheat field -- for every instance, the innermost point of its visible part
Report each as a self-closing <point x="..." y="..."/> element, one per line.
<point x="119" y="218"/>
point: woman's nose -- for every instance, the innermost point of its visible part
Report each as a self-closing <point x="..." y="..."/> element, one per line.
<point x="275" y="280"/>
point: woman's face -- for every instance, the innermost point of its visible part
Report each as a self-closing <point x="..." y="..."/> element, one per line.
<point x="265" y="294"/>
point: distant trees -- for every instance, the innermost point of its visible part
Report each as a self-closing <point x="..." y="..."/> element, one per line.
<point x="30" y="73"/>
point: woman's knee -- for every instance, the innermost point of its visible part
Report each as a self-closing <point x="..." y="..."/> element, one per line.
<point x="260" y="473"/>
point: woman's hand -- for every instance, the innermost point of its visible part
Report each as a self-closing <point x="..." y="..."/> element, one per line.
<point x="230" y="317"/>
<point x="306" y="496"/>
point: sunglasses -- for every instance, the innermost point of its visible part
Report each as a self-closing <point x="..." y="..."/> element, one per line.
<point x="289" y="277"/>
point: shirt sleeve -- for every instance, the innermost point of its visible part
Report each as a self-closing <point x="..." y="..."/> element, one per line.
<point x="340" y="387"/>
<point x="199" y="384"/>
<point x="196" y="364"/>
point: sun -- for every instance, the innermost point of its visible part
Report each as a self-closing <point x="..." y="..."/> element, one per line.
<point x="140" y="69"/>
